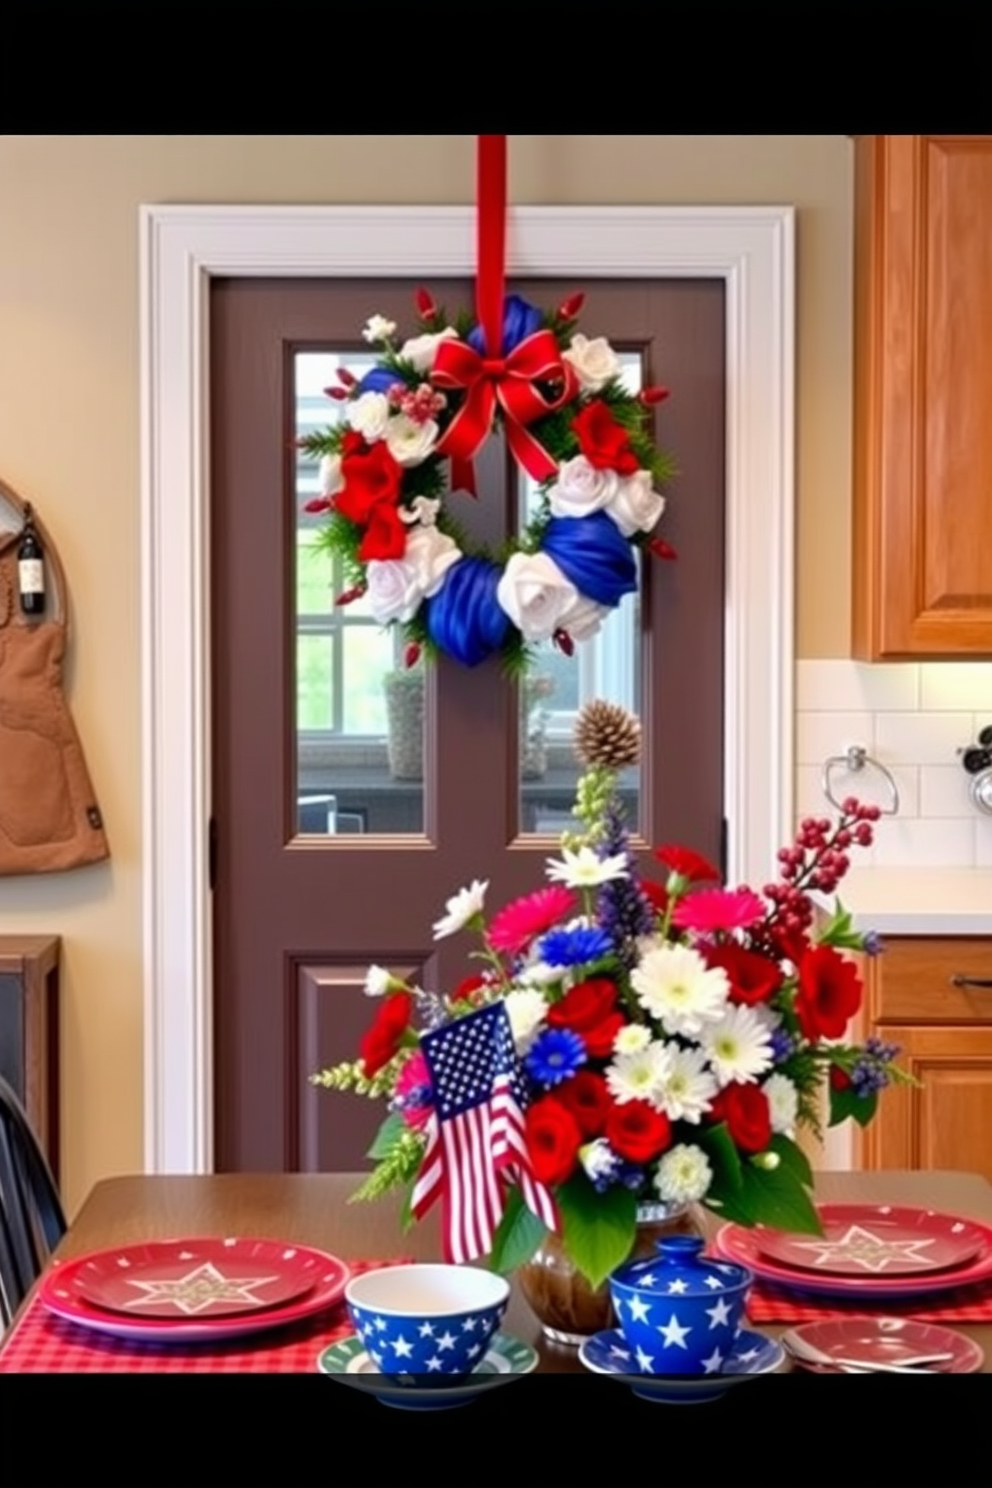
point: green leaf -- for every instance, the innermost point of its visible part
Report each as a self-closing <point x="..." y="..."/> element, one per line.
<point x="598" y="1229"/>
<point x="386" y="1137"/>
<point x="847" y="1103"/>
<point x="773" y="1197"/>
<point x="725" y="1160"/>
<point x="839" y="930"/>
<point x="793" y="1158"/>
<point x="518" y="1235"/>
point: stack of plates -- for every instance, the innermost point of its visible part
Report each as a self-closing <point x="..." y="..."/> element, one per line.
<point x="868" y="1252"/>
<point x="194" y="1290"/>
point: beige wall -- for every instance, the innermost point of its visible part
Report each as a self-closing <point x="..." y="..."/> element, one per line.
<point x="69" y="442"/>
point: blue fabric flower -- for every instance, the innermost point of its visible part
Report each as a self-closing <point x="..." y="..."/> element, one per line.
<point x="465" y="618"/>
<point x="574" y="947"/>
<point x="377" y="380"/>
<point x="593" y="553"/>
<point x="555" y="1056"/>
<point x="520" y="320"/>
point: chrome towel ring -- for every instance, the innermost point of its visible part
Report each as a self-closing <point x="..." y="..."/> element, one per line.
<point x="854" y="759"/>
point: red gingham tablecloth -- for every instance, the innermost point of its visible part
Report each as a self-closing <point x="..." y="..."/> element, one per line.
<point x="43" y="1344"/>
<point x="768" y="1303"/>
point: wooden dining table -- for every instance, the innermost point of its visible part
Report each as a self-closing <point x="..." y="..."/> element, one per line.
<point x="314" y="1210"/>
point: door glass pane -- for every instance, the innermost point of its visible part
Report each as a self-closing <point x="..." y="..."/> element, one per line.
<point x="359" y="714"/>
<point x="607" y="666"/>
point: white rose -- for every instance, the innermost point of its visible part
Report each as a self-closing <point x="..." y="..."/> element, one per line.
<point x="583" y="617"/>
<point x="581" y="488"/>
<point x="408" y="442"/>
<point x="421" y="350"/>
<point x="526" y="1010"/>
<point x="636" y="506"/>
<point x="535" y="593"/>
<point x="368" y="415"/>
<point x="595" y="362"/>
<point x="430" y="553"/>
<point x="331" y="478"/>
<point x="397" y="586"/>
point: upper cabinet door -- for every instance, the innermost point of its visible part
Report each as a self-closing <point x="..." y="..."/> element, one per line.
<point x="923" y="397"/>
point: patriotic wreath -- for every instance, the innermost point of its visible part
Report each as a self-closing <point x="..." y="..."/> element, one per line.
<point x="422" y="413"/>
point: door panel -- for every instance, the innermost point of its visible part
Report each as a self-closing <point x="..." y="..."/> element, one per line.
<point x="299" y="915"/>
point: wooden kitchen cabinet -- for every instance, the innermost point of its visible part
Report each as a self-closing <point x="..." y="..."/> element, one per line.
<point x="922" y="517"/>
<point x="915" y="998"/>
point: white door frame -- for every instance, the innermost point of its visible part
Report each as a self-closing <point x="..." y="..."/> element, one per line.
<point x="749" y="248"/>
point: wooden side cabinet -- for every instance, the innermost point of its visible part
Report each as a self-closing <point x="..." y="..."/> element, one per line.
<point x="29" y="1031"/>
<point x="927" y="995"/>
<point x="922" y="519"/>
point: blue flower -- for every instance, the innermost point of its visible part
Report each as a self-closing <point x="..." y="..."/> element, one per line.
<point x="575" y="947"/>
<point x="377" y="380"/>
<point x="555" y="1056"/>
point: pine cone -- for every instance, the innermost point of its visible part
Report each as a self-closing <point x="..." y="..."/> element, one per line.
<point x="607" y="735"/>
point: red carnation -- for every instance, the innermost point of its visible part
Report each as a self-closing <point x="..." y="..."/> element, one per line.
<point x="553" y="1140"/>
<point x="637" y="1132"/>
<point x="383" y="1039"/>
<point x="752" y="978"/>
<point x="687" y="863"/>
<point x="604" y="442"/>
<point x="829" y="993"/>
<point x="745" y="1110"/>
<point x="588" y="1099"/>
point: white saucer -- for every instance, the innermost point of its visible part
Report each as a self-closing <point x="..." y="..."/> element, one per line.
<point x="753" y="1354"/>
<point x="505" y="1359"/>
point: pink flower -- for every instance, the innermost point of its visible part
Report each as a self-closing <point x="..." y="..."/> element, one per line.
<point x="512" y="930"/>
<point x="718" y="909"/>
<point x="413" y="1091"/>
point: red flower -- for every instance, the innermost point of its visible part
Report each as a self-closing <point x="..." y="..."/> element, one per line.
<point x="372" y="481"/>
<point x="516" y="925"/>
<point x="637" y="1132"/>
<point x="745" y="1110"/>
<point x="752" y="978"/>
<point x="584" y="1006"/>
<point x="687" y="864"/>
<point x="588" y="1099"/>
<point x="383" y="1039"/>
<point x="599" y="1041"/>
<point x="656" y="894"/>
<point x="553" y="1140"/>
<point x="385" y="535"/>
<point x="604" y="442"/>
<point x="718" y="909"/>
<point x="467" y="989"/>
<point x="829" y="993"/>
<point x="839" y="1079"/>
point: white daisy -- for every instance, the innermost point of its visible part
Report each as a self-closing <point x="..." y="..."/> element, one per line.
<point x="526" y="1010"/>
<point x="676" y="986"/>
<point x="684" y="1174"/>
<point x="585" y="870"/>
<point x="783" y="1103"/>
<point x="632" y="1038"/>
<point x="465" y="906"/>
<point x="688" y="1088"/>
<point x="541" y="974"/>
<point x="638" y="1076"/>
<point x="739" y="1046"/>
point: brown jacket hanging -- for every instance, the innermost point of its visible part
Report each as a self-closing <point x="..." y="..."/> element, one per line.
<point x="49" y="817"/>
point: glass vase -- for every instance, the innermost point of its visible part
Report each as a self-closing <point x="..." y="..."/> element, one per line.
<point x="568" y="1308"/>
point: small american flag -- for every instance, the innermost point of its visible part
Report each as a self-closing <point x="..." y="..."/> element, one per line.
<point x="475" y="1138"/>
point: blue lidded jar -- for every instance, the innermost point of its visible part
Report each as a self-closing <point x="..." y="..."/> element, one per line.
<point x="680" y="1311"/>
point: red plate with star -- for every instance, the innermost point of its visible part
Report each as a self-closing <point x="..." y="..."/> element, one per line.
<point x="194" y="1289"/>
<point x="873" y="1240"/>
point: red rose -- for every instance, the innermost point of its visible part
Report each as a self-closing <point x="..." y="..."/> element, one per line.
<point x="829" y="993"/>
<point x="553" y="1140"/>
<point x="584" y="1006"/>
<point x="752" y="978"/>
<point x="604" y="442"/>
<point x="599" y="1041"/>
<point x="637" y="1132"/>
<point x="383" y="1039"/>
<point x="370" y="494"/>
<point x="588" y="1099"/>
<point x="745" y="1110"/>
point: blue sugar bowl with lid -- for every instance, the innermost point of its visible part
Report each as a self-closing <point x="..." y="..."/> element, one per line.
<point x="680" y="1311"/>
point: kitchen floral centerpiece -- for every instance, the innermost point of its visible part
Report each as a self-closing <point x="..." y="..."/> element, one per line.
<point x="629" y="1038"/>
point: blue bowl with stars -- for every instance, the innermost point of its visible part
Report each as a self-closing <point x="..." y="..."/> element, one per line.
<point x="427" y="1324"/>
<point x="680" y="1311"/>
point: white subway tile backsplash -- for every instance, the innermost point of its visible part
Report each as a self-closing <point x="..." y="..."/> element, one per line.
<point x="820" y="735"/>
<point x="924" y="738"/>
<point x="920" y="843"/>
<point x="944" y="792"/>
<point x="838" y="686"/>
<point x="950" y="685"/>
<point x="983" y="842"/>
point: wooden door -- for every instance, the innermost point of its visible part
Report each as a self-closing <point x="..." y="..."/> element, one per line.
<point x="298" y="916"/>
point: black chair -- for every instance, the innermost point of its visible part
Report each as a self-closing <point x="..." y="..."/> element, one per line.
<point x="32" y="1221"/>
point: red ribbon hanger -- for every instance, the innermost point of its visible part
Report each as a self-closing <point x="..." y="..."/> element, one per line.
<point x="518" y="383"/>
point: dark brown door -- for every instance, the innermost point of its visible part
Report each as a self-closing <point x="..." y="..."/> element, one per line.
<point x="298" y="915"/>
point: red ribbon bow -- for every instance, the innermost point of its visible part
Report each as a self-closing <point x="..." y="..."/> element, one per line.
<point x="510" y="382"/>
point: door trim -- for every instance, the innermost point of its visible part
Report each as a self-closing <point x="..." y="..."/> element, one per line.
<point x="751" y="249"/>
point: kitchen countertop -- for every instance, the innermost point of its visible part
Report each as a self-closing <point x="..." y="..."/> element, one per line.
<point x="920" y="901"/>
